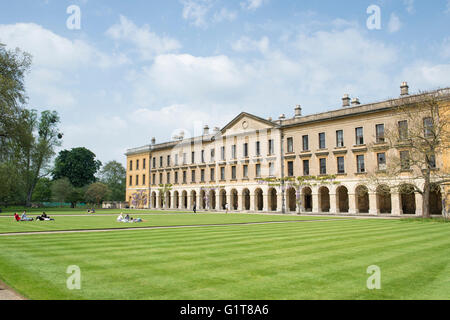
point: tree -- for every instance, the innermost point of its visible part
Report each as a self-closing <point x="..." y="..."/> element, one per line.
<point x="43" y="190"/>
<point x="96" y="193"/>
<point x="113" y="174"/>
<point x="139" y="199"/>
<point x="61" y="190"/>
<point x="415" y="143"/>
<point x="78" y="165"/>
<point x="163" y="189"/>
<point x="37" y="151"/>
<point x="13" y="66"/>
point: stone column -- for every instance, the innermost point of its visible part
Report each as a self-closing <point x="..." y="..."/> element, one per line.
<point x="240" y="199"/>
<point x="218" y="207"/>
<point x="419" y="204"/>
<point x="396" y="204"/>
<point x="252" y="202"/>
<point x="315" y="203"/>
<point x="265" y="202"/>
<point x="333" y="203"/>
<point x="373" y="210"/>
<point x="280" y="202"/>
<point x="352" y="203"/>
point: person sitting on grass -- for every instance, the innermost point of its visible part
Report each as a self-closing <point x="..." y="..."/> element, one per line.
<point x="44" y="217"/>
<point x="16" y="216"/>
<point x="120" y="218"/>
<point x="24" y="217"/>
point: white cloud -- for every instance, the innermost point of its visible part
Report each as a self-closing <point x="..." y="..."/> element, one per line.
<point x="252" y="5"/>
<point x="426" y="75"/>
<point x="409" y="4"/>
<point x="394" y="23"/>
<point x="184" y="78"/>
<point x="196" y="11"/>
<point x="56" y="61"/>
<point x="246" y="44"/>
<point x="147" y="42"/>
<point x="224" y="15"/>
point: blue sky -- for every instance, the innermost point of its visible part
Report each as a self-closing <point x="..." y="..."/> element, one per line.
<point x="142" y="69"/>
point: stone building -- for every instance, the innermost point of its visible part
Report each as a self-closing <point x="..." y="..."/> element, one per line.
<point x="225" y="166"/>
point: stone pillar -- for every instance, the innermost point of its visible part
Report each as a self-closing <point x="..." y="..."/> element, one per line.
<point x="240" y="202"/>
<point x="419" y="204"/>
<point x="189" y="202"/>
<point x="218" y="207"/>
<point x="373" y="209"/>
<point x="265" y="202"/>
<point x="252" y="202"/>
<point x="315" y="203"/>
<point x="280" y="202"/>
<point x="352" y="203"/>
<point x="333" y="204"/>
<point x="396" y="204"/>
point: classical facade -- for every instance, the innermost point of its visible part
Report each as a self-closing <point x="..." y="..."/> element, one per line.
<point x="225" y="168"/>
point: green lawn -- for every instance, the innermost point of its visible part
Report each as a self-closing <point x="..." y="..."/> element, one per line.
<point x="9" y="225"/>
<point x="72" y="211"/>
<point x="313" y="260"/>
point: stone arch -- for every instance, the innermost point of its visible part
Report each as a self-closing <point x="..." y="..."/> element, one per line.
<point x="435" y="200"/>
<point x="222" y="199"/>
<point x="291" y="199"/>
<point x="342" y="199"/>
<point x="259" y="200"/>
<point x="272" y="199"/>
<point x="307" y="202"/>
<point x="246" y="199"/>
<point x="160" y="200"/>
<point x="176" y="200"/>
<point x="184" y="199"/>
<point x="324" y="199"/>
<point x="194" y="199"/>
<point x="234" y="195"/>
<point x="168" y="200"/>
<point x="362" y="199"/>
<point x="202" y="202"/>
<point x="384" y="201"/>
<point x="407" y="199"/>
<point x="153" y="199"/>
<point x="212" y="199"/>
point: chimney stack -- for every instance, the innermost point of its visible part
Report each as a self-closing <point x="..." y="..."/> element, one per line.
<point x="298" y="111"/>
<point x="205" y="130"/>
<point x="355" y="102"/>
<point x="282" y="117"/>
<point x="404" y="89"/>
<point x="346" y="101"/>
<point x="153" y="141"/>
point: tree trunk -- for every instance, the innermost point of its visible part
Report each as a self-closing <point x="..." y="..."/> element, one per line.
<point x="426" y="200"/>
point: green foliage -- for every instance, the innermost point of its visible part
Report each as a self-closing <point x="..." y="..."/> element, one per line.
<point x="113" y="174"/>
<point x="43" y="191"/>
<point x="96" y="193"/>
<point x="78" y="165"/>
<point x="61" y="190"/>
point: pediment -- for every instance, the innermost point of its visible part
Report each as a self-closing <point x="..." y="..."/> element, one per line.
<point x="246" y="123"/>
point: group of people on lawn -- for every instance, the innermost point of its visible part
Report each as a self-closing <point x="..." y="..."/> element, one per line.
<point x="24" y="217"/>
<point x="128" y="219"/>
